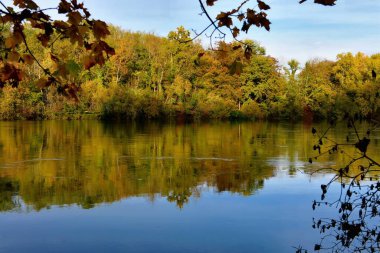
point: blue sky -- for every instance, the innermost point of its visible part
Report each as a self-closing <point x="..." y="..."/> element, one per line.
<point x="298" y="31"/>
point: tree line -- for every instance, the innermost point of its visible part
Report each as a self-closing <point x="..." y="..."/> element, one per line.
<point x="161" y="77"/>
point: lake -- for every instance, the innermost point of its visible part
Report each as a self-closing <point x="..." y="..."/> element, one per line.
<point x="91" y="186"/>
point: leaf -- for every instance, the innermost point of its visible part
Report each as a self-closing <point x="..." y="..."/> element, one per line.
<point x="235" y="32"/>
<point x="74" y="18"/>
<point x="245" y="27"/>
<point x="28" y="59"/>
<point x="103" y="46"/>
<point x="262" y="5"/>
<point x="43" y="82"/>
<point x="210" y="2"/>
<point x="251" y="16"/>
<point x="44" y="39"/>
<point x="325" y="2"/>
<point x="59" y="24"/>
<point x="13" y="56"/>
<point x="54" y="58"/>
<point x="15" y="39"/>
<point x="88" y="62"/>
<point x="26" y="4"/>
<point x="100" y="29"/>
<point x="83" y="30"/>
<point x="64" y="7"/>
<point x="248" y="52"/>
<point x="224" y="19"/>
<point x="10" y="72"/>
<point x="236" y="68"/>
<point x="73" y="68"/>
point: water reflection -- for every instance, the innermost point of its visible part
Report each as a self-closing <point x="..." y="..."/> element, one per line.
<point x="90" y="162"/>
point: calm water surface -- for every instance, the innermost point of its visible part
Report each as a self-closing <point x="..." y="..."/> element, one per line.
<point x="88" y="186"/>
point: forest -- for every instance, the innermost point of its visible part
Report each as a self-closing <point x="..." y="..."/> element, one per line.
<point x="152" y="77"/>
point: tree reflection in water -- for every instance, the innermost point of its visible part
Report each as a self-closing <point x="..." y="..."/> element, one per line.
<point x="86" y="163"/>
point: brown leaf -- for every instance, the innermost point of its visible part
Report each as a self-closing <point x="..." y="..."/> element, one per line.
<point x="235" y="32"/>
<point x="248" y="52"/>
<point x="100" y="29"/>
<point x="28" y="59"/>
<point x="13" y="56"/>
<point x="224" y="19"/>
<point x="251" y="16"/>
<point x="12" y="41"/>
<point x="40" y="16"/>
<point x="102" y="46"/>
<point x="54" y="58"/>
<point x="86" y="12"/>
<point x="61" y="25"/>
<point x="43" y="82"/>
<point x="83" y="30"/>
<point x="10" y="73"/>
<point x="262" y="5"/>
<point x="74" y="18"/>
<point x="26" y="4"/>
<point x="88" y="62"/>
<point x="211" y="2"/>
<point x="245" y="27"/>
<point x="44" y="39"/>
<point x="73" y="34"/>
<point x="325" y="2"/>
<point x="64" y="7"/>
<point x="265" y="23"/>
